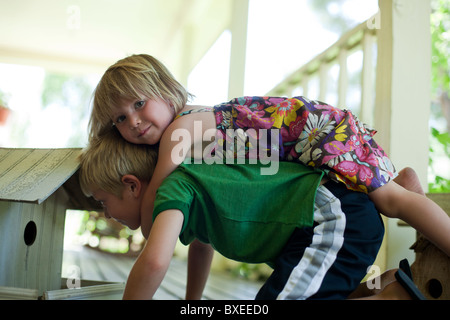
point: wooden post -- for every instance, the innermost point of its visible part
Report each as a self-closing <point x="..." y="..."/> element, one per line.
<point x="403" y="97"/>
<point x="238" y="28"/>
<point x="367" y="79"/>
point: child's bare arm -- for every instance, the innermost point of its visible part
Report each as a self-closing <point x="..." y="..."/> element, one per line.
<point x="176" y="143"/>
<point x="199" y="263"/>
<point x="167" y="163"/>
<point x="153" y="262"/>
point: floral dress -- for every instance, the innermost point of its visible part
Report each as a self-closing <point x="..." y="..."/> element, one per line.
<point x="311" y="132"/>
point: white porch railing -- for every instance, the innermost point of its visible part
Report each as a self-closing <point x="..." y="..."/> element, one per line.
<point x="343" y="75"/>
<point x="389" y="89"/>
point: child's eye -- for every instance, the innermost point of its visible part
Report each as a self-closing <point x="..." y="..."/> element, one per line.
<point x="139" y="104"/>
<point x="120" y="119"/>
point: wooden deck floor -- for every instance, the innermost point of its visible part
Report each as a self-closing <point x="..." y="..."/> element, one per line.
<point x="100" y="266"/>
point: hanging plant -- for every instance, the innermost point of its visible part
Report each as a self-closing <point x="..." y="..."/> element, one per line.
<point x="4" y="110"/>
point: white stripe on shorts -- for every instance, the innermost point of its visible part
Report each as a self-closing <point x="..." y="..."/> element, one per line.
<point x="306" y="278"/>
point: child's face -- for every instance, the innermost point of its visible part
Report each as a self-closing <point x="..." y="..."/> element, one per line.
<point x="124" y="210"/>
<point x="143" y="121"/>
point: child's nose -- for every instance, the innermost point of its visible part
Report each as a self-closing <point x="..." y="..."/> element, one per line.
<point x="135" y="121"/>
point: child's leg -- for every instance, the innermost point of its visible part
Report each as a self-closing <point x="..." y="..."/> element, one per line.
<point x="364" y="290"/>
<point x="421" y="213"/>
<point x="389" y="289"/>
<point x="409" y="180"/>
<point x="392" y="291"/>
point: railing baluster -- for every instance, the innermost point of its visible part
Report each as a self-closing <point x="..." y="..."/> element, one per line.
<point x="323" y="81"/>
<point x="367" y="79"/>
<point x="305" y="85"/>
<point x="343" y="77"/>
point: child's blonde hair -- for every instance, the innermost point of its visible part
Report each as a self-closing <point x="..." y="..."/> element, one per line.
<point x="130" y="78"/>
<point x="106" y="160"/>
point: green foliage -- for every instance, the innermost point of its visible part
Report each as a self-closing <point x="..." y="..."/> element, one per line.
<point x="439" y="143"/>
<point x="443" y="139"/>
<point x="440" y="38"/>
<point x="108" y="235"/>
<point x="255" y="272"/>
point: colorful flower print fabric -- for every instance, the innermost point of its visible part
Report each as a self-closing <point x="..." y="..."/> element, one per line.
<point x="311" y="132"/>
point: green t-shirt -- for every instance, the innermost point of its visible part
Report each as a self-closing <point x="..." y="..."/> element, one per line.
<point x="244" y="215"/>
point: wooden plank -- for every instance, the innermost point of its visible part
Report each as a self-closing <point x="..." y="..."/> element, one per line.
<point x="11" y="293"/>
<point x="239" y="289"/>
<point x="32" y="175"/>
<point x="175" y="281"/>
<point x="218" y="286"/>
<point x="173" y="287"/>
<point x="95" y="292"/>
<point x="109" y="269"/>
<point x="93" y="265"/>
<point x="97" y="266"/>
<point x="163" y="294"/>
<point x="89" y="268"/>
<point x="122" y="265"/>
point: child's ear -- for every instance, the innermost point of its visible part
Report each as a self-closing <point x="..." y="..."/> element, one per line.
<point x="132" y="184"/>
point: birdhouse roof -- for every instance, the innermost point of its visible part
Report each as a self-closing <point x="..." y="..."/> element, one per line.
<point x="32" y="175"/>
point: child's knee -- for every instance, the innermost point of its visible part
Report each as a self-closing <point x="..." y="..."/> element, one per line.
<point x="409" y="179"/>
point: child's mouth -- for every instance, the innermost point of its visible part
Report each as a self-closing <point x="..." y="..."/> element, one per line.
<point x="143" y="132"/>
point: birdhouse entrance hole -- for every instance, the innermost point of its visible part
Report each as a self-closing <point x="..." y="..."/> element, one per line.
<point x="434" y="287"/>
<point x="30" y="233"/>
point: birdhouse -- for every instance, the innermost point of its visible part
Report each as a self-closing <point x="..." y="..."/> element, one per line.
<point x="431" y="269"/>
<point x="37" y="186"/>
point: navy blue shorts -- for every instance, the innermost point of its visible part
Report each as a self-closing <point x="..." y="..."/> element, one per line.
<point x="329" y="259"/>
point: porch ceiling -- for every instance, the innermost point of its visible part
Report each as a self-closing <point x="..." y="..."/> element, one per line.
<point x="86" y="34"/>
